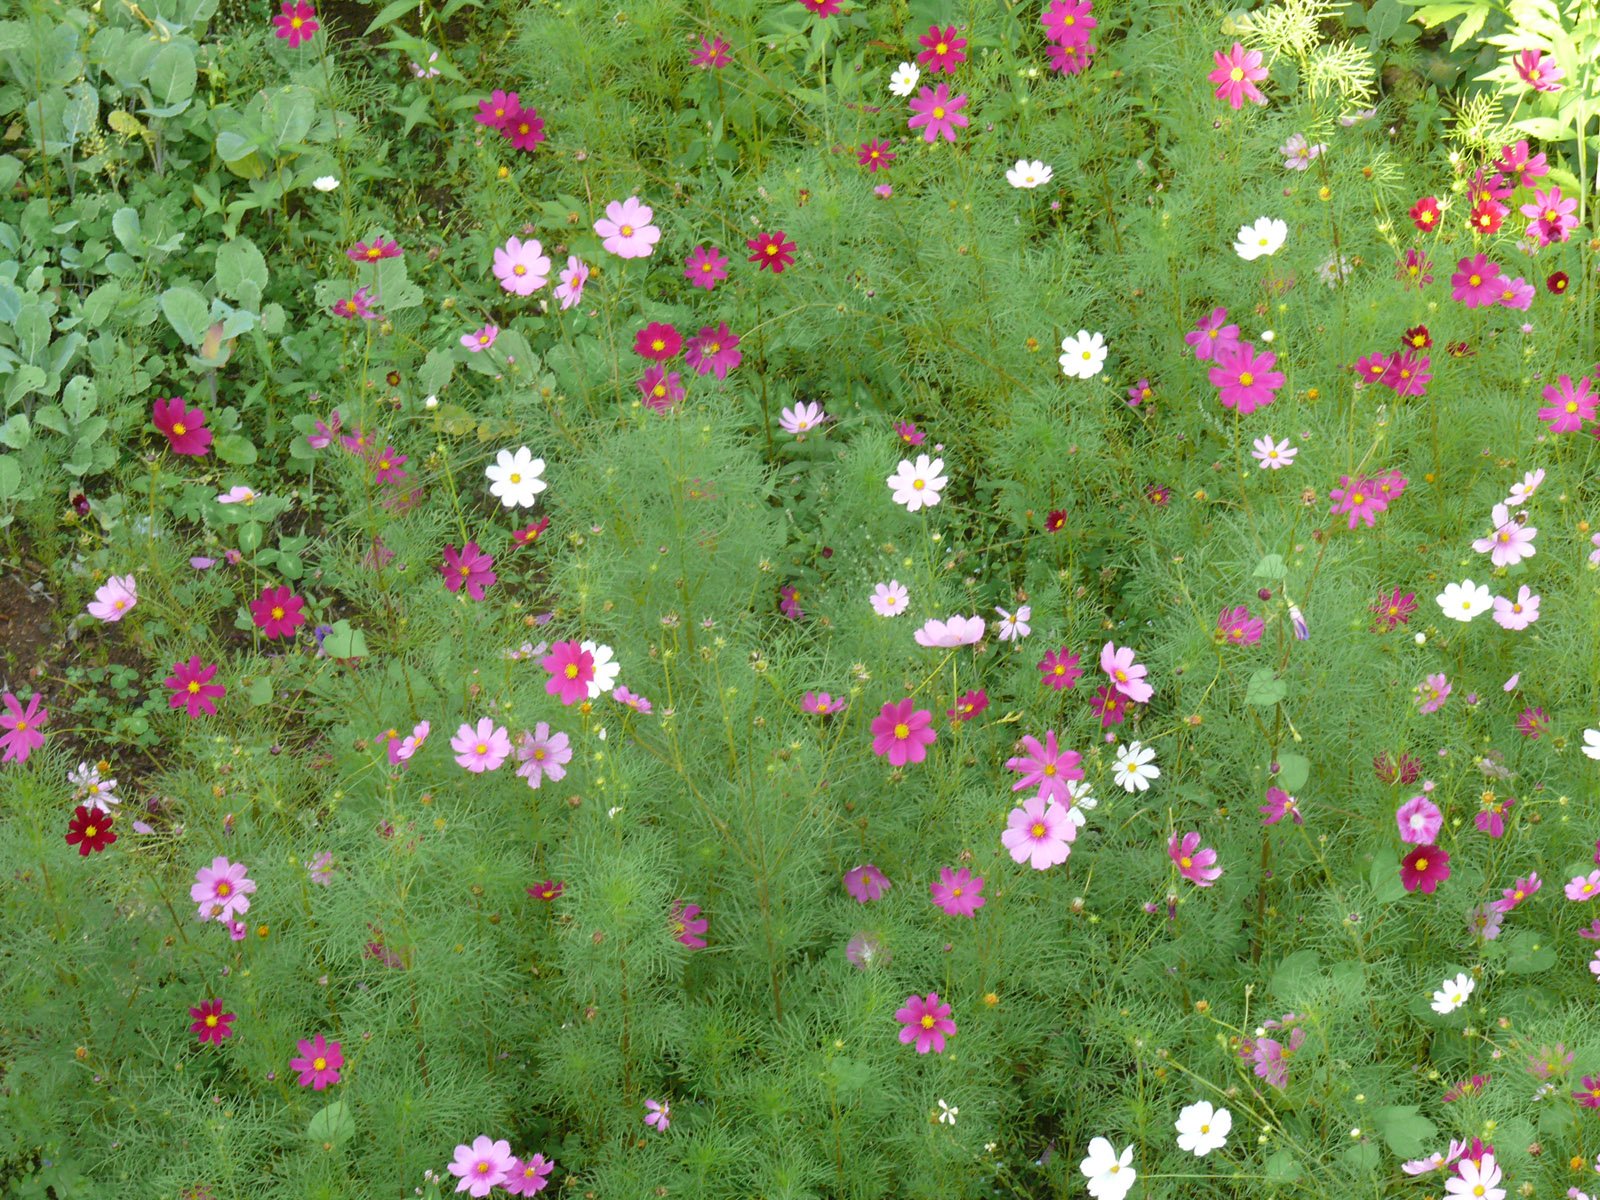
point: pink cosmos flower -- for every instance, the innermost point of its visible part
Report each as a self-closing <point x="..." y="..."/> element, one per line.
<point x="571" y="668"/>
<point x="1245" y="380"/>
<point x="821" y="704"/>
<point x="959" y="892"/>
<point x="1512" y="896"/>
<point x="1511" y="541"/>
<point x="1419" y="820"/>
<point x="1517" y="614"/>
<point x="706" y="267"/>
<point x="1068" y="20"/>
<point x="21" y="725"/>
<point x="1408" y="374"/>
<point x="1211" y="337"/>
<point x="1550" y="216"/>
<point x="1361" y="500"/>
<point x="192" y="689"/>
<point x="573" y="276"/>
<point x="184" y="427"/>
<point x="1431" y="693"/>
<point x="937" y="114"/>
<point x="1569" y="407"/>
<point x="523" y="128"/>
<point x="1070" y="58"/>
<point x="771" y="251"/>
<point x="522" y="267"/>
<point x="408" y="746"/>
<point x="1272" y="1056"/>
<point x="714" y="350"/>
<point x="657" y="341"/>
<point x="1236" y="75"/>
<point x="875" y="155"/>
<point x="494" y="111"/>
<point x="482" y="1166"/>
<point x="1416" y="268"/>
<point x="1127" y="676"/>
<point x="969" y="705"/>
<point x="822" y="8"/>
<point x="626" y="230"/>
<point x="713" y="54"/>
<point x="889" y="599"/>
<point x="211" y="1024"/>
<point x="944" y="50"/>
<point x="688" y="925"/>
<point x="1491" y="818"/>
<point x="1194" y="863"/>
<point x="1109" y="705"/>
<point x="660" y="388"/>
<point x="378" y="249"/>
<point x="866" y="883"/>
<point x="1516" y="293"/>
<point x="470" y="567"/>
<point x="543" y="755"/>
<point x="1236" y="627"/>
<point x="658" y="1115"/>
<point x="358" y="306"/>
<point x="1040" y="833"/>
<point x="278" y="612"/>
<point x="1583" y="888"/>
<point x="1476" y="282"/>
<point x="481" y="749"/>
<point x="956" y="631"/>
<point x="1426" y="867"/>
<point x="529" y="1176"/>
<point x="1060" y="669"/>
<point x="925" y="1021"/>
<point x="221" y="892"/>
<point x="296" y="23"/>
<point x="480" y="339"/>
<point x="1280" y="804"/>
<point x="1538" y="72"/>
<point x="1045" y="766"/>
<point x="902" y="732"/>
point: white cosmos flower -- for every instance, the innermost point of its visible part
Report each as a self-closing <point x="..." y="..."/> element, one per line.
<point x="1522" y="492"/>
<point x="1477" y="1180"/>
<point x="1465" y="600"/>
<point x="947" y="1113"/>
<point x="917" y="485"/>
<point x="324" y="183"/>
<point x="1265" y="237"/>
<point x="1028" y="174"/>
<point x="904" y="80"/>
<point x="606" y="668"/>
<point x="1591" y="743"/>
<point x="1135" y="767"/>
<point x="1203" y="1128"/>
<point x="1453" y="993"/>
<point x="1080" y="801"/>
<point x="515" y="478"/>
<point x="1014" y="626"/>
<point x="957" y="631"/>
<point x="1110" y="1174"/>
<point x="1083" y="356"/>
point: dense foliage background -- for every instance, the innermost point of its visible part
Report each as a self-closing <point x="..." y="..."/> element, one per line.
<point x="277" y="222"/>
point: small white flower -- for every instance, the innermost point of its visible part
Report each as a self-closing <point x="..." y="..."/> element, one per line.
<point x="1476" y="1180"/>
<point x="1203" y="1128"/>
<point x="1453" y="993"/>
<point x="1014" y="626"/>
<point x="904" y="80"/>
<point x="1522" y="492"/>
<point x="1273" y="455"/>
<point x="1465" y="600"/>
<point x="431" y="402"/>
<point x="1268" y="336"/>
<point x="1265" y="237"/>
<point x="1135" y="767"/>
<point x="606" y="668"/>
<point x="1110" y="1175"/>
<point x="1028" y="174"/>
<point x="1083" y="356"/>
<point x="917" y="485"/>
<point x="515" y="478"/>
<point x="1080" y="800"/>
<point x="1591" y="743"/>
<point x="947" y="1113"/>
<point x="325" y="183"/>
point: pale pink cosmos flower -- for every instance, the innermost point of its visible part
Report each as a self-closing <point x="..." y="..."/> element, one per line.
<point x="522" y="267"/>
<point x="1273" y="456"/>
<point x="543" y="755"/>
<point x="1014" y="626"/>
<point x="626" y="230"/>
<point x="1039" y="833"/>
<point x="409" y="745"/>
<point x="1517" y="614"/>
<point x="480" y="339"/>
<point x="1431" y="693"/>
<point x="802" y="418"/>
<point x="573" y="276"/>
<point x="957" y="631"/>
<point x="1583" y="888"/>
<point x="1419" y="820"/>
<point x="482" y="1166"/>
<point x="1212" y="336"/>
<point x="889" y="599"/>
<point x="222" y="890"/>
<point x="1298" y="153"/>
<point x="1523" y="492"/>
<point x="1511" y="541"/>
<point x="481" y="749"/>
<point x="1127" y="676"/>
<point x="658" y="1115"/>
<point x="115" y="598"/>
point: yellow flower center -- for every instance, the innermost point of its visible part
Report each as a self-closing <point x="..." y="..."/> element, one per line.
<point x="941" y="48"/>
<point x="1422" y="863"/>
<point x="319" y="1064"/>
<point x="1246" y="378"/>
<point x="1474" y="280"/>
<point x="902" y="731"/>
<point x="1237" y="74"/>
<point x="626" y="231"/>
<point x="179" y="428"/>
<point x="211" y="1020"/>
<point x="1037" y="830"/>
<point x="277" y="612"/>
<point x="515" y="477"/>
<point x="1050" y="769"/>
<point x="296" y="22"/>
<point x="1186" y="862"/>
<point x="917" y="485"/>
<point x="90" y="830"/>
<point x="194" y="687"/>
<point x="938" y="114"/>
<point x="572" y="670"/>
<point x="224" y="889"/>
<point x="927" y="1021"/>
<point x="519" y="269"/>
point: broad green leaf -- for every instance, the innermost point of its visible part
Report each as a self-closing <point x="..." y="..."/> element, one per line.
<point x="236" y="449"/>
<point x="344" y="642"/>
<point x="1271" y="566"/>
<point x="187" y="313"/>
<point x="130" y="232"/>
<point x="241" y="270"/>
<point x="1404" y="1130"/>
<point x="1544" y="128"/>
<point x="332" y="1125"/>
<point x="1265" y="688"/>
<point x="173" y="75"/>
<point x="1293" y="771"/>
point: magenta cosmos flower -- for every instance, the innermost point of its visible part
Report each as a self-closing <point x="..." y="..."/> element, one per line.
<point x="319" y="1062"/>
<point x="1476" y="282"/>
<point x="714" y="351"/>
<point x="1280" y="804"/>
<point x="278" y="612"/>
<point x="192" y="688"/>
<point x="522" y="267"/>
<point x="523" y="128"/>
<point x="1569" y="407"/>
<point x="1043" y="764"/>
<point x="1040" y="833"/>
<point x="21" y="725"/>
<point x="866" y="883"/>
<point x="528" y="1176"/>
<point x="295" y="23"/>
<point x="926" y="1022"/>
<point x="1068" y="21"/>
<point x="688" y="926"/>
<point x="959" y="892"/>
<point x="571" y="668"/>
<point x="221" y="892"/>
<point x="706" y="267"/>
<point x="210" y="1023"/>
<point x="1538" y="72"/>
<point x="470" y="568"/>
<point x="1212" y="336"/>
<point x="1246" y="380"/>
<point x="943" y="50"/>
<point x="713" y="54"/>
<point x="184" y="427"/>
<point x="937" y="114"/>
<point x="494" y="111"/>
<point x="1236" y="75"/>
<point x="482" y="748"/>
<point x="660" y="388"/>
<point x="1426" y="868"/>
<point x="1127" y="676"/>
<point x="1059" y="669"/>
<point x="376" y="250"/>
<point x="657" y="1115"/>
<point x="1194" y="863"/>
<point x="772" y="251"/>
<point x="1237" y="627"/>
<point x="482" y="1166"/>
<point x="903" y="732"/>
<point x="657" y="341"/>
<point x="626" y="230"/>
